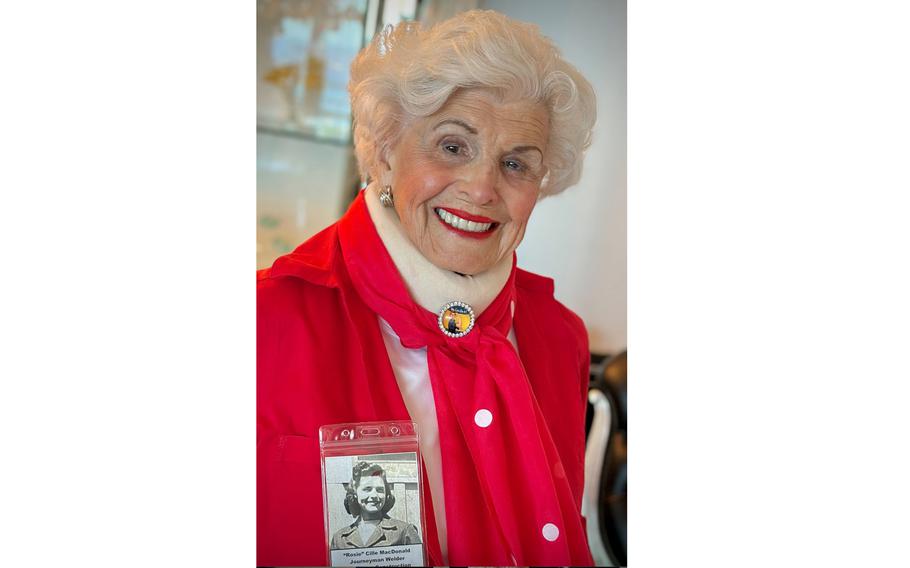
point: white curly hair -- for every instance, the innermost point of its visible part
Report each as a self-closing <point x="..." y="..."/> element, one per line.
<point x="408" y="71"/>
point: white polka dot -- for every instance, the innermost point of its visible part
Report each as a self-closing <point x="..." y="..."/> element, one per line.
<point x="550" y="532"/>
<point x="483" y="418"/>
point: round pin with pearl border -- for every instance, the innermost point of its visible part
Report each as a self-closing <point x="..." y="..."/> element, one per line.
<point x="456" y="319"/>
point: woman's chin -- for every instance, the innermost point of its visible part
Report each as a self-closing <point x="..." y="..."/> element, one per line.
<point x="464" y="267"/>
<point x="455" y="259"/>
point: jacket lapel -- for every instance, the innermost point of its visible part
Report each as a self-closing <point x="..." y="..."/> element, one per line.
<point x="352" y="535"/>
<point x="383" y="529"/>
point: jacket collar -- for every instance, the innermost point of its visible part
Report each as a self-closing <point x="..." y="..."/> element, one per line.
<point x="386" y="529"/>
<point x="317" y="260"/>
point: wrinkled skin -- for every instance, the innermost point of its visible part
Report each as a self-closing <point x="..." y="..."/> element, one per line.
<point x="480" y="155"/>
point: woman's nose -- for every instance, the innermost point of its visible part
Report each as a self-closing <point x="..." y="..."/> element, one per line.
<point x="480" y="185"/>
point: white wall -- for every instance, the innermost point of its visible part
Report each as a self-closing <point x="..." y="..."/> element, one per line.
<point x="579" y="237"/>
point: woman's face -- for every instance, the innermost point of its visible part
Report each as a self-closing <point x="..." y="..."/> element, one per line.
<point x="371" y="496"/>
<point x="466" y="178"/>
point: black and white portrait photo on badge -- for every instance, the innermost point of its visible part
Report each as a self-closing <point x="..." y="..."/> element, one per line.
<point x="373" y="502"/>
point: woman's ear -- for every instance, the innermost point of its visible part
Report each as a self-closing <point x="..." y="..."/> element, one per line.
<point x="386" y="165"/>
<point x="386" y="178"/>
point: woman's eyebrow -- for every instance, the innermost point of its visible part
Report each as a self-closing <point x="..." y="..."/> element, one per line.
<point x="460" y="123"/>
<point x="527" y="149"/>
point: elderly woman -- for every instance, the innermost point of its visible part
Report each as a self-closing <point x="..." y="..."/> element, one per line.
<point x="369" y="498"/>
<point x="412" y="307"/>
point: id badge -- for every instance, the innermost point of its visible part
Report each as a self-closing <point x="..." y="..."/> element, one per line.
<point x="372" y="490"/>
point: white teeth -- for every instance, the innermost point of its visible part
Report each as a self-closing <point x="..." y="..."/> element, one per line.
<point x="463" y="224"/>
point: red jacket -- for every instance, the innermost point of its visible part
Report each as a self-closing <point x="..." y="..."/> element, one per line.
<point x="317" y="343"/>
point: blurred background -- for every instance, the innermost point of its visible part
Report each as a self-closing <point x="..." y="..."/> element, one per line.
<point x="306" y="172"/>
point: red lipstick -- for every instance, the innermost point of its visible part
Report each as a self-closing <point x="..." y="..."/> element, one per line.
<point x="467" y="216"/>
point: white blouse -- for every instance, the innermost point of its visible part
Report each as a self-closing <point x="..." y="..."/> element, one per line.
<point x="413" y="376"/>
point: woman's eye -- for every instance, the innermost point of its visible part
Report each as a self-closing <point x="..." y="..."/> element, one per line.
<point x="451" y="148"/>
<point x="513" y="165"/>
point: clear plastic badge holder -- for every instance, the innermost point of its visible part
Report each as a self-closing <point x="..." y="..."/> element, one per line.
<point x="372" y="490"/>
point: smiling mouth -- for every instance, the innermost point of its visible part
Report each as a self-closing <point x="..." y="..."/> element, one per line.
<point x="454" y="221"/>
